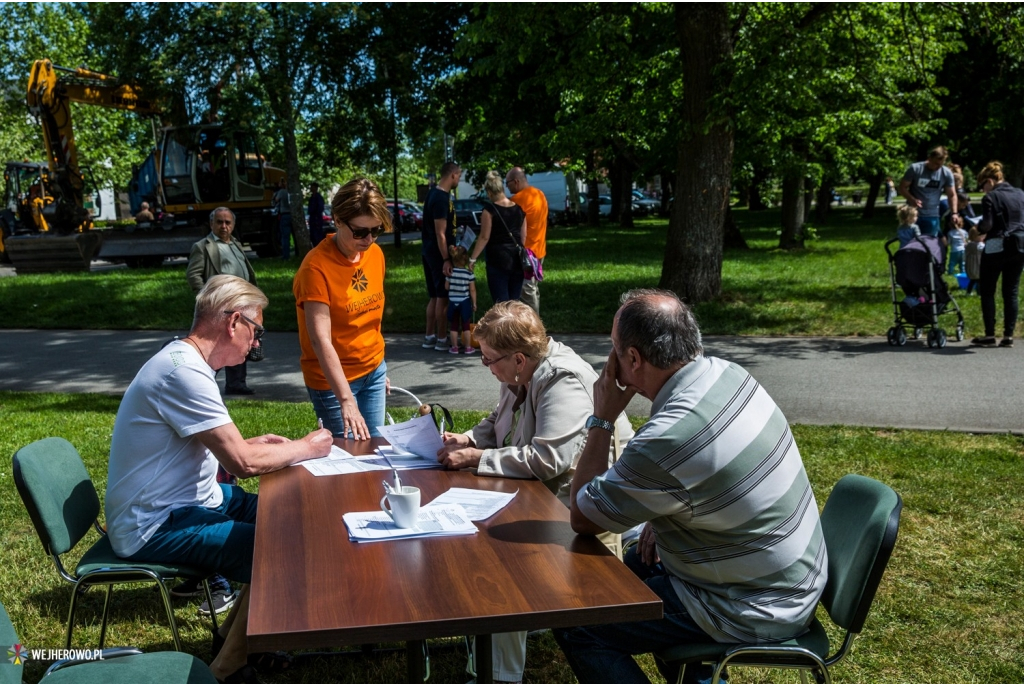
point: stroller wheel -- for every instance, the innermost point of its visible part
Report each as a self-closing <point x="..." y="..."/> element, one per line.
<point x="917" y="334"/>
<point x="960" y="331"/>
<point x="901" y="337"/>
<point x="890" y="336"/>
<point x="940" y="338"/>
<point x="931" y="337"/>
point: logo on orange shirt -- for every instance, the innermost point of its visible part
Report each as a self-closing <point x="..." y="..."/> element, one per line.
<point x="359" y="282"/>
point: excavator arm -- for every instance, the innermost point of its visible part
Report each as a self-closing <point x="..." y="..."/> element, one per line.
<point x="51" y="90"/>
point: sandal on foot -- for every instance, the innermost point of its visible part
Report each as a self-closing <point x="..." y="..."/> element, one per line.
<point x="246" y="674"/>
<point x="270" y="662"/>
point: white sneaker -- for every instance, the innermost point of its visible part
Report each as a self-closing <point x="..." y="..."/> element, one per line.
<point x="429" y="341"/>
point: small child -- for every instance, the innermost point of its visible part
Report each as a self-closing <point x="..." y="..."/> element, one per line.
<point x="461" y="287"/>
<point x="973" y="251"/>
<point x="908" y="229"/>
<point x="957" y="241"/>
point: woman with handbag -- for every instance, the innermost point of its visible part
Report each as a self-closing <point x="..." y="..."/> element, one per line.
<point x="1002" y="224"/>
<point x="502" y="232"/>
<point x="339" y="302"/>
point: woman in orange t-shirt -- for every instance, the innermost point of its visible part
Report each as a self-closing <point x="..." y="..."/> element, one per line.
<point x="339" y="302"/>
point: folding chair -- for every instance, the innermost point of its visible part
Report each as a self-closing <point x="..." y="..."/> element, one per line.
<point x="62" y="503"/>
<point x="860" y="522"/>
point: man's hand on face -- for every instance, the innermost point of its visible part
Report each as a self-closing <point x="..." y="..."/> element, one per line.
<point x="609" y="399"/>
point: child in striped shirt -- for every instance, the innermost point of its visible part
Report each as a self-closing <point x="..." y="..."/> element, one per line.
<point x="461" y="287"/>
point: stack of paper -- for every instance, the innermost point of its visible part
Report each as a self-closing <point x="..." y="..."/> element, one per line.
<point x="373" y="526"/>
<point x="478" y="504"/>
<point x="417" y="436"/>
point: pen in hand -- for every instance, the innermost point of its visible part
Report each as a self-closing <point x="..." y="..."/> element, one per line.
<point x="320" y="424"/>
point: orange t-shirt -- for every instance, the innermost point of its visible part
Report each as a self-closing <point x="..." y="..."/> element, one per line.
<point x="355" y="294"/>
<point x="535" y="205"/>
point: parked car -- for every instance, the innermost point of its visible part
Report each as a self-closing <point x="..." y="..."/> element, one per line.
<point x="410" y="215"/>
<point x="604" y="205"/>
<point x="645" y="205"/>
<point x="468" y="212"/>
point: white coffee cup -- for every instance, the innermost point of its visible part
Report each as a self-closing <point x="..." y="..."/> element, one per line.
<point x="405" y="506"/>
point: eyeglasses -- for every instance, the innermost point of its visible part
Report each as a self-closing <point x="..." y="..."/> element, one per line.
<point x="360" y="233"/>
<point x="257" y="330"/>
<point x="487" y="362"/>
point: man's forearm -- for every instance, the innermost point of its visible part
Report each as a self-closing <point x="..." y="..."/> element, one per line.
<point x="593" y="462"/>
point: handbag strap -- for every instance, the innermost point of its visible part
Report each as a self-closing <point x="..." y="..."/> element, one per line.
<point x="502" y="219"/>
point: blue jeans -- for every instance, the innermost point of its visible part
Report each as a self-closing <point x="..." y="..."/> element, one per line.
<point x="504" y="285"/>
<point x="216" y="540"/>
<point x="284" y="227"/>
<point x="604" y="653"/>
<point x="370" y="396"/>
<point x="929" y="225"/>
<point x="956" y="262"/>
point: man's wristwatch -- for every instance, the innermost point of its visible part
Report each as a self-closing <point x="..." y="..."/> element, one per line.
<point x="594" y="422"/>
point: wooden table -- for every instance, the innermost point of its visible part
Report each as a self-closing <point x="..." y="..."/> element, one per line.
<point x="525" y="569"/>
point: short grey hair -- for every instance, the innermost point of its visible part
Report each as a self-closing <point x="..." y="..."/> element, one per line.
<point x="224" y="293"/>
<point x="662" y="329"/>
<point x="214" y="213"/>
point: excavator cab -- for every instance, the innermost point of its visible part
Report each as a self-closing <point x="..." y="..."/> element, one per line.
<point x="26" y="195"/>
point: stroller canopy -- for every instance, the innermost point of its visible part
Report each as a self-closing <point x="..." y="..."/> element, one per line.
<point x="914" y="260"/>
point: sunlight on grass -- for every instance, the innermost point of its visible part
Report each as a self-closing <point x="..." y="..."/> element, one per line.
<point x="838" y="285"/>
<point x="950" y="609"/>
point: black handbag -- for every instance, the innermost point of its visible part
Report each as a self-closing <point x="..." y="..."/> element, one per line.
<point x="524" y="257"/>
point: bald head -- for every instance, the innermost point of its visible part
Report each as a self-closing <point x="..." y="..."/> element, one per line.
<point x="515" y="179"/>
<point x="661" y="328"/>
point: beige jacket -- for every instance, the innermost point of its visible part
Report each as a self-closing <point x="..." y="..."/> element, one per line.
<point x="204" y="263"/>
<point x="550" y="434"/>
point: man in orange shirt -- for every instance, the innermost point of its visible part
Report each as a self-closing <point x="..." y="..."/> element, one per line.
<point x="533" y="203"/>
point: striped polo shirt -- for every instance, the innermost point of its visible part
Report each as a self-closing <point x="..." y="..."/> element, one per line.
<point x="717" y="473"/>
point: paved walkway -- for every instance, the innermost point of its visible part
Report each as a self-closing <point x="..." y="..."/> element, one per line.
<point x="855" y="381"/>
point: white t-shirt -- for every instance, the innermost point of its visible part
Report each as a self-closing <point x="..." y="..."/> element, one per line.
<point x="156" y="463"/>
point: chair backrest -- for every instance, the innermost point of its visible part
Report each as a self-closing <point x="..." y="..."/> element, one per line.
<point x="9" y="672"/>
<point x="860" y="521"/>
<point x="57" y="491"/>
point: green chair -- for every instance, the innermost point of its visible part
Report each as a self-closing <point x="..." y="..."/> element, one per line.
<point x="119" y="665"/>
<point x="62" y="503"/>
<point x="860" y="521"/>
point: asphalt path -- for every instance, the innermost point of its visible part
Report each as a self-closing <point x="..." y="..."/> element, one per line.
<point x="854" y="381"/>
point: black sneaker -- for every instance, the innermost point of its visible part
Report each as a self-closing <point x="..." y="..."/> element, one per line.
<point x="191" y="587"/>
<point x="222" y="601"/>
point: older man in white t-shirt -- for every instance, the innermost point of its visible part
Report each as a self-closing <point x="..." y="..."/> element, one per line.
<point x="163" y="501"/>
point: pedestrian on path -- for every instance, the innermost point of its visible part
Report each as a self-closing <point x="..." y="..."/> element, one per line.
<point x="534" y="203"/>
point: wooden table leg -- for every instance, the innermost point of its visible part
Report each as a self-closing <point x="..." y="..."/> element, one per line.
<point x="483" y="659"/>
<point x="414" y="659"/>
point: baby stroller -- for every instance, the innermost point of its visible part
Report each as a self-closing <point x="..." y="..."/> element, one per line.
<point x="917" y="269"/>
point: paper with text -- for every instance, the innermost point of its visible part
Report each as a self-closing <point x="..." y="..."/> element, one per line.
<point x="479" y="504"/>
<point x="418" y="435"/>
<point x="373" y="526"/>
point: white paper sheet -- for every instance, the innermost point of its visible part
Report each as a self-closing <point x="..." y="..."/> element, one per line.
<point x="339" y="465"/>
<point x="478" y="504"/>
<point x="418" y="435"/>
<point x="373" y="526"/>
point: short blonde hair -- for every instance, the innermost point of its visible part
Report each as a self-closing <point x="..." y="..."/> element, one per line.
<point x="224" y="293"/>
<point x="361" y="197"/>
<point x="511" y="327"/>
<point x="907" y="214"/>
<point x="494" y="185"/>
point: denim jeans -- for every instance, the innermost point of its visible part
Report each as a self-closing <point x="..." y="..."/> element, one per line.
<point x="284" y="227"/>
<point x="370" y="395"/>
<point x="929" y="225"/>
<point x="956" y="262"/>
<point x="604" y="653"/>
<point x="504" y="285"/>
<point x="993" y="265"/>
<point x="219" y="539"/>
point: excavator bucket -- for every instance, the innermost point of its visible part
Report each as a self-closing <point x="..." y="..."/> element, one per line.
<point x="43" y="252"/>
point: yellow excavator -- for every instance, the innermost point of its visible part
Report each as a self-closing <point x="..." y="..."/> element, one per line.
<point x="47" y="220"/>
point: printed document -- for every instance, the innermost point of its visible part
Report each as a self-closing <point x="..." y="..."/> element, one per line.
<point x="372" y="526"/>
<point x="418" y="435"/>
<point x="479" y="505"/>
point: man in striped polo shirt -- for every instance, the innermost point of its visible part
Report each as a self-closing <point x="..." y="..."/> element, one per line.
<point x="732" y="542"/>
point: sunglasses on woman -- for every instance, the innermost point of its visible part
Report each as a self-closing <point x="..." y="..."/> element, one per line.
<point x="360" y="233"/>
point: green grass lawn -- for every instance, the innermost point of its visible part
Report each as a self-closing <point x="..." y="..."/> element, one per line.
<point x="838" y="285"/>
<point x="950" y="609"/>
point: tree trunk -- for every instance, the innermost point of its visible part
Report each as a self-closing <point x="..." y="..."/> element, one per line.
<point x="299" y="228"/>
<point x="808" y="197"/>
<point x="666" y="191"/>
<point x="693" y="251"/>
<point x="792" y="212"/>
<point x="742" y="194"/>
<point x="593" y="210"/>
<point x="1015" y="169"/>
<point x="625" y="193"/>
<point x="732" y="238"/>
<point x="874" y="187"/>
<point x="614" y="187"/>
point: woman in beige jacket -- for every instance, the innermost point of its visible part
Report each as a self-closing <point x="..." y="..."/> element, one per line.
<point x="537" y="430"/>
